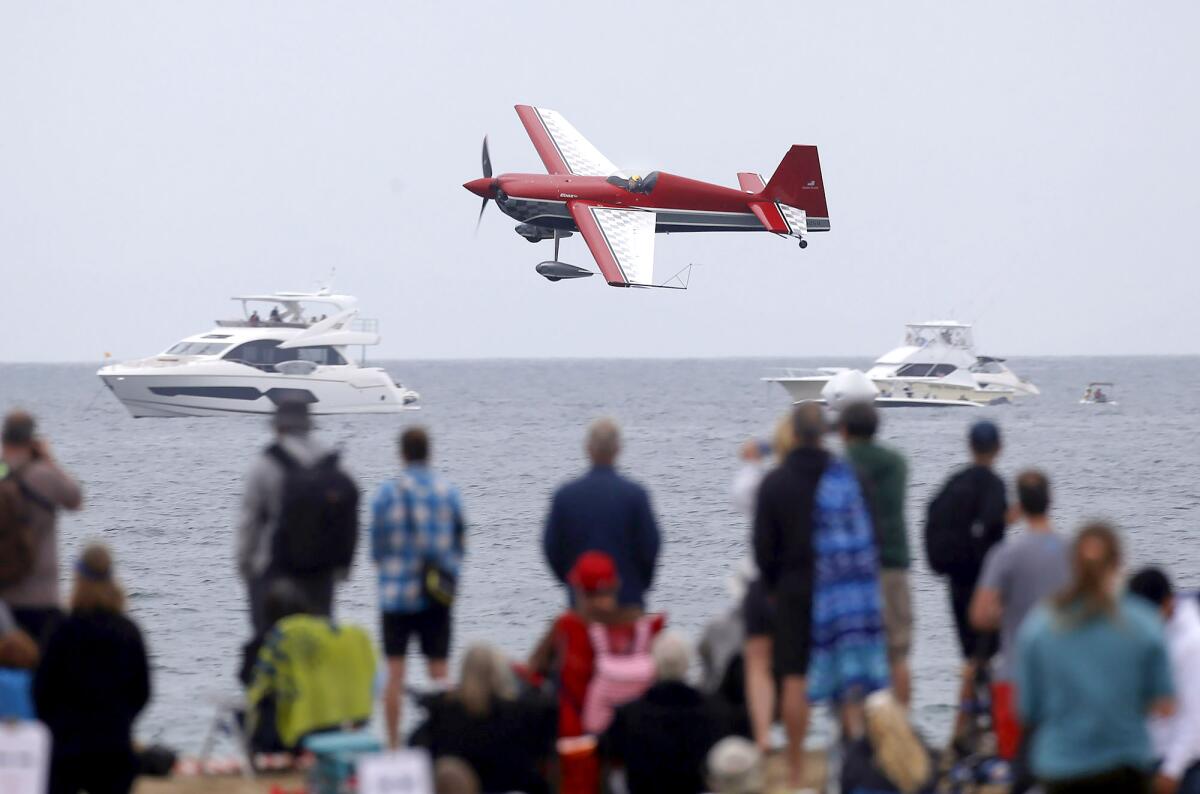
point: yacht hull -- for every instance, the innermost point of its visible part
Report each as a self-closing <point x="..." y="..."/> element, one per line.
<point x="902" y="392"/>
<point x="167" y="394"/>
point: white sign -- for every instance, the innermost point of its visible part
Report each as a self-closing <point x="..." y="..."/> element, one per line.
<point x="399" y="772"/>
<point x="24" y="757"/>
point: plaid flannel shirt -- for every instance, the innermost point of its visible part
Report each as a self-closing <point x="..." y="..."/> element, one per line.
<point x="416" y="518"/>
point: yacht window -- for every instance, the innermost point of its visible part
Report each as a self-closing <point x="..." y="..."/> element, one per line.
<point x="915" y="370"/>
<point x="318" y="355"/>
<point x="197" y="349"/>
<point x="266" y="353"/>
<point x="988" y="367"/>
<point x="941" y="370"/>
<point x="215" y="336"/>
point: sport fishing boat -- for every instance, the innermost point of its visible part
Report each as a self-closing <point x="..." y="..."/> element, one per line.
<point x="936" y="366"/>
<point x="296" y="349"/>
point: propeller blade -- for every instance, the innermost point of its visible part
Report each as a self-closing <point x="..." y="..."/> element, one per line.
<point x="479" y="220"/>
<point x="487" y="160"/>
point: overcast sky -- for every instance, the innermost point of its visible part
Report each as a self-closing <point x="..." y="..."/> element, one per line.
<point x="1032" y="167"/>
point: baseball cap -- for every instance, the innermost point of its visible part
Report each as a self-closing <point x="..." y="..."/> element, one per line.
<point x="984" y="436"/>
<point x="594" y="571"/>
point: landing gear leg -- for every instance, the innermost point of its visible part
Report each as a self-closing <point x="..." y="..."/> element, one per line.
<point x="556" y="245"/>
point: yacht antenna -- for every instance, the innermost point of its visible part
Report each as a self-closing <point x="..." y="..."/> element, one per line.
<point x="327" y="287"/>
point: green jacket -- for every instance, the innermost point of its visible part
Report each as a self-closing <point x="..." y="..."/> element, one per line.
<point x="320" y="674"/>
<point x="885" y="476"/>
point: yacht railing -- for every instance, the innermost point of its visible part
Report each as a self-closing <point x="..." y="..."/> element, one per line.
<point x="259" y="324"/>
<point x="802" y="372"/>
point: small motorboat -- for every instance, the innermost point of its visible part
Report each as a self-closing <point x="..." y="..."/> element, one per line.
<point x="1099" y="393"/>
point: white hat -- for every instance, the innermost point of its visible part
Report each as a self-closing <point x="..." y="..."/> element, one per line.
<point x="735" y="766"/>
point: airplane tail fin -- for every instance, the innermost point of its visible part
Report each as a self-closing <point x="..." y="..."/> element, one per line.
<point x="797" y="183"/>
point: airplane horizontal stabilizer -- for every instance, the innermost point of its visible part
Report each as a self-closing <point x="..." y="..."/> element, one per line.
<point x="772" y="219"/>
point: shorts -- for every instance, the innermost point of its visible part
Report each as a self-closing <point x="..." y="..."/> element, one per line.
<point x="431" y="625"/>
<point x="897" y="612"/>
<point x="758" y="613"/>
<point x="974" y="644"/>
<point x="793" y="630"/>
<point x="1004" y="720"/>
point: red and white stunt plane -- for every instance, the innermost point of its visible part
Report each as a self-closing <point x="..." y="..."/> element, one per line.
<point x="619" y="214"/>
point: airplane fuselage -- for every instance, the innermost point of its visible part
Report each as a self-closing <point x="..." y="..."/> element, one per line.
<point x="680" y="204"/>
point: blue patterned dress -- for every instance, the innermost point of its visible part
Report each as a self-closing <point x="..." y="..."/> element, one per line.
<point x="849" y="652"/>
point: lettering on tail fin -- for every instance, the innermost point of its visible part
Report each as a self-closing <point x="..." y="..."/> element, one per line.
<point x="797" y="183"/>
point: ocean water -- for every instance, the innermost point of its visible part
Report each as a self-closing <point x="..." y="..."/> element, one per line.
<point x="164" y="492"/>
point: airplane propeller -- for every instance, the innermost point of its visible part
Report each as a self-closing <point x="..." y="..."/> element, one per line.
<point x="487" y="174"/>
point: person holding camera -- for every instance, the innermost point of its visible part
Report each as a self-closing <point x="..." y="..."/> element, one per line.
<point x="33" y="488"/>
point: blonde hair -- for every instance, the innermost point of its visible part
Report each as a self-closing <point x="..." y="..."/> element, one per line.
<point x="898" y="751"/>
<point x="1095" y="556"/>
<point x="485" y="676"/>
<point x="95" y="588"/>
<point x="784" y="439"/>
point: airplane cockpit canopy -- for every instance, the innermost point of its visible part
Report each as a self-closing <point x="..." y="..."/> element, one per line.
<point x="635" y="184"/>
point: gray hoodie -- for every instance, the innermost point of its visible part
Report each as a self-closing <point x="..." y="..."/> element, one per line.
<point x="262" y="501"/>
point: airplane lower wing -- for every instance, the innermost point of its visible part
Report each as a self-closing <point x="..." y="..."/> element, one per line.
<point x="621" y="241"/>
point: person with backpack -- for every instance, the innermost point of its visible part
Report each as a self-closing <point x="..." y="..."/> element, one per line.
<point x="598" y="654"/>
<point x="33" y="488"/>
<point x="299" y="518"/>
<point x="417" y="542"/>
<point x="964" y="521"/>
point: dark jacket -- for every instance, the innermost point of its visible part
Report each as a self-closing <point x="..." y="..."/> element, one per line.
<point x="92" y="682"/>
<point x="663" y="739"/>
<point x="783" y="519"/>
<point x="505" y="748"/>
<point x="603" y="511"/>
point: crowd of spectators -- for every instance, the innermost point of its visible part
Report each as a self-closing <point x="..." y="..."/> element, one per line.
<point x="1074" y="678"/>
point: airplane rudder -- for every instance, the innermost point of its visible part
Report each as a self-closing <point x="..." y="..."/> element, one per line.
<point x="798" y="182"/>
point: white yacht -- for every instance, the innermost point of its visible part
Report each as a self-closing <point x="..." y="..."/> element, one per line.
<point x="296" y="346"/>
<point x="937" y="365"/>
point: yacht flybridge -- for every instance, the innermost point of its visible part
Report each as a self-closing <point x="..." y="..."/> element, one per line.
<point x="936" y="366"/>
<point x="296" y="346"/>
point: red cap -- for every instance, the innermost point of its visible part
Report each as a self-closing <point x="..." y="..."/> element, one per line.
<point x="594" y="571"/>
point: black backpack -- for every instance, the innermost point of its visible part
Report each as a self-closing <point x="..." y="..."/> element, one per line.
<point x="318" y="516"/>
<point x="949" y="546"/>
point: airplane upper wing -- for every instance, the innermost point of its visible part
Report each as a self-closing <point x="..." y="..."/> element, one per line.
<point x="621" y="240"/>
<point x="562" y="149"/>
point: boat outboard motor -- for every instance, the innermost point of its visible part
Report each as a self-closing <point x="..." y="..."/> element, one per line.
<point x="848" y="386"/>
<point x="557" y="271"/>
